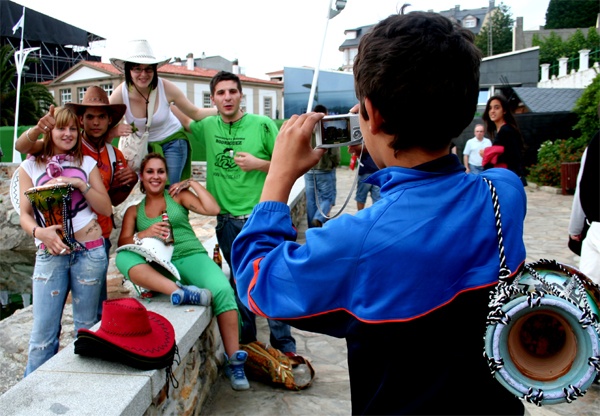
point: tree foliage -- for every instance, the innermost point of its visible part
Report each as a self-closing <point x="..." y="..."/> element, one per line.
<point x="552" y="154"/>
<point x="567" y="14"/>
<point x="586" y="109"/>
<point x="35" y="98"/>
<point x="501" y="22"/>
<point x="553" y="47"/>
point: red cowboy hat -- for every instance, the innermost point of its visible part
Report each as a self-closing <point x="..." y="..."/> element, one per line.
<point x="130" y="334"/>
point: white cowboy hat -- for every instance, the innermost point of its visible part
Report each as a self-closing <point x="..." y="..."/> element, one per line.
<point x="154" y="250"/>
<point x="138" y="52"/>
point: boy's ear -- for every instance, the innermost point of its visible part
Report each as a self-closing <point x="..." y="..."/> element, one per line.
<point x="375" y="120"/>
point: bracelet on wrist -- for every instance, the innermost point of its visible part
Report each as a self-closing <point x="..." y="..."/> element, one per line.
<point x="29" y="138"/>
<point x="136" y="239"/>
<point x="33" y="231"/>
<point x="87" y="188"/>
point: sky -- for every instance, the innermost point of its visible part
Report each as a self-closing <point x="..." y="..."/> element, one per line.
<point x="263" y="35"/>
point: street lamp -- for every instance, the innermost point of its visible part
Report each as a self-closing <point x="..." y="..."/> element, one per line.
<point x="331" y="13"/>
<point x="20" y="57"/>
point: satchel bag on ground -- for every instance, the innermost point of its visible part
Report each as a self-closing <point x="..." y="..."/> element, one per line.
<point x="271" y="366"/>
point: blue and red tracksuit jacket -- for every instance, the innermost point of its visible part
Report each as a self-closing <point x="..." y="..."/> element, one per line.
<point x="406" y="282"/>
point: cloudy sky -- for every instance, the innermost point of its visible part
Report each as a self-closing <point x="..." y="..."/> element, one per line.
<point x="264" y="35"/>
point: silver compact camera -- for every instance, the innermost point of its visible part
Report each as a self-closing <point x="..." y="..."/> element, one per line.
<point x="337" y="131"/>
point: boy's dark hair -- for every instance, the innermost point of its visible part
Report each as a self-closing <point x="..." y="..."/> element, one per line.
<point x="224" y="76"/>
<point x="410" y="64"/>
<point x="129" y="81"/>
<point x="320" y="108"/>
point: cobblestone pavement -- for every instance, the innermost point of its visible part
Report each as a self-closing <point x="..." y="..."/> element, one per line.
<point x="545" y="238"/>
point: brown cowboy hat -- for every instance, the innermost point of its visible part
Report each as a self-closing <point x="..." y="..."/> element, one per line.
<point x="97" y="97"/>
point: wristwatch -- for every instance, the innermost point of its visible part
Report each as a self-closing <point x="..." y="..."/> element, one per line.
<point x="137" y="240"/>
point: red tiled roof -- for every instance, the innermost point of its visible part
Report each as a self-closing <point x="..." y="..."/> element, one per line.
<point x="180" y="70"/>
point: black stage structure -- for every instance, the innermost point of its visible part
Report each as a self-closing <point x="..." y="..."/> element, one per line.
<point x="61" y="45"/>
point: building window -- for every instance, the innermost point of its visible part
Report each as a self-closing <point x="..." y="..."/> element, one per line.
<point x="268" y="107"/>
<point x="470" y="22"/>
<point x="80" y="93"/>
<point x="206" y="103"/>
<point x="65" y="97"/>
<point x="243" y="103"/>
<point x="108" y="89"/>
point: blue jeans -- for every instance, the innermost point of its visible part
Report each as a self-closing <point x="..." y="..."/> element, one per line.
<point x="176" y="153"/>
<point x="103" y="288"/>
<point x="475" y="169"/>
<point x="54" y="277"/>
<point x="281" y="334"/>
<point x="363" y="189"/>
<point x="325" y="186"/>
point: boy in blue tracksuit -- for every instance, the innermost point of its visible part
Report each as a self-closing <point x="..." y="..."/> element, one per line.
<point x="405" y="281"/>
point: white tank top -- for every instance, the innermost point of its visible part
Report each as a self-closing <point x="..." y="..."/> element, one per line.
<point x="164" y="122"/>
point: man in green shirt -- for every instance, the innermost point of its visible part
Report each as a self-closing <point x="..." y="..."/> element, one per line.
<point x="238" y="153"/>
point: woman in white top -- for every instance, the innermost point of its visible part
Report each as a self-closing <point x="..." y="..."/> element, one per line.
<point x="166" y="135"/>
<point x="77" y="262"/>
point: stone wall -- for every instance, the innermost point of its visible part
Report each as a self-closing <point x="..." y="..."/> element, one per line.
<point x="69" y="383"/>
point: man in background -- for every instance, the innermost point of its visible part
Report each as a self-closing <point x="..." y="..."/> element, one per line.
<point x="320" y="184"/>
<point x="471" y="154"/>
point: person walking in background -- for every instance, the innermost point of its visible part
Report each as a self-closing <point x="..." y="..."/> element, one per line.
<point x="320" y="184"/>
<point x="189" y="256"/>
<point x="416" y="267"/>
<point x="586" y="207"/>
<point x="140" y="67"/>
<point x="76" y="263"/>
<point x="97" y="116"/>
<point x="366" y="168"/>
<point x="472" y="151"/>
<point x="507" y="146"/>
<point x="238" y="156"/>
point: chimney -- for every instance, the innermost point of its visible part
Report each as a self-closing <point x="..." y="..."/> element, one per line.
<point x="235" y="67"/>
<point x="190" y="61"/>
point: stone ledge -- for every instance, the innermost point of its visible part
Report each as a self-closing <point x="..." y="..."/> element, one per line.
<point x="72" y="384"/>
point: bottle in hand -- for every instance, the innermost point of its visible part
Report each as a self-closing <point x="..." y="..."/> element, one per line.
<point x="169" y="240"/>
<point x="217" y="256"/>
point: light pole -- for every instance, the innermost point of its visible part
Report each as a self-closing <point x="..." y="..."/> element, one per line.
<point x="20" y="57"/>
<point x="331" y="13"/>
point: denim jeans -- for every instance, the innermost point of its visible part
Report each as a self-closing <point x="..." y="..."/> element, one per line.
<point x="325" y="186"/>
<point x="363" y="189"/>
<point x="281" y="334"/>
<point x="176" y="153"/>
<point x="103" y="284"/>
<point x="81" y="273"/>
<point x="475" y="169"/>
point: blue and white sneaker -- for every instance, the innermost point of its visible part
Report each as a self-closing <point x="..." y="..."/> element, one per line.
<point x="234" y="370"/>
<point x="191" y="295"/>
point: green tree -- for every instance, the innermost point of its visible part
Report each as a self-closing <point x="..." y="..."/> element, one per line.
<point x="501" y="22"/>
<point x="567" y="14"/>
<point x="35" y="98"/>
<point x="586" y="109"/>
<point x="552" y="154"/>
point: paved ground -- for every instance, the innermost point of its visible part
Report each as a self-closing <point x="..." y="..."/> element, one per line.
<point x="545" y="237"/>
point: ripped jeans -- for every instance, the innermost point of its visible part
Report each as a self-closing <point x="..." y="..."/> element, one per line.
<point x="81" y="273"/>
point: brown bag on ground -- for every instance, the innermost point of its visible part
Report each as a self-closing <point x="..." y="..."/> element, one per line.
<point x="271" y="366"/>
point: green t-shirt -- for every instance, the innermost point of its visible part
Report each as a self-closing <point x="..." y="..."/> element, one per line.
<point x="236" y="191"/>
